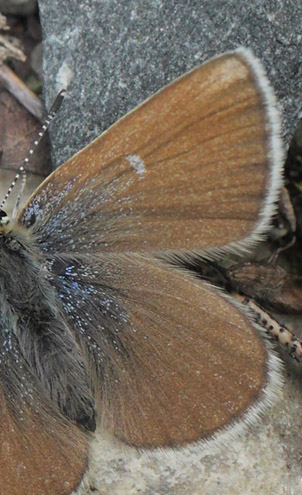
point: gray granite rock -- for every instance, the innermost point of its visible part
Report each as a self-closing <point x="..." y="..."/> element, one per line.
<point x="115" y="54"/>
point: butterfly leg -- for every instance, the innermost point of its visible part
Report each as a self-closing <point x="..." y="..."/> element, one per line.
<point x="278" y="332"/>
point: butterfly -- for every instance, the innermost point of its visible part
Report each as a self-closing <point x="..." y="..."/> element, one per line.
<point x="98" y="329"/>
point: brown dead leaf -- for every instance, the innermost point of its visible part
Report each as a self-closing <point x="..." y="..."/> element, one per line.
<point x="18" y="129"/>
<point x="9" y="48"/>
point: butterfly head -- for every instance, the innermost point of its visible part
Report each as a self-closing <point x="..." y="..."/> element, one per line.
<point x="4" y="219"/>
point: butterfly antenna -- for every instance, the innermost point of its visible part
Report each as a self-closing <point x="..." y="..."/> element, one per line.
<point x="22" y="171"/>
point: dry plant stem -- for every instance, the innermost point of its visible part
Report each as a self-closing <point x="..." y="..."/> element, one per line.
<point x="8" y="50"/>
<point x="3" y="23"/>
<point x="278" y="332"/>
<point x="20" y="91"/>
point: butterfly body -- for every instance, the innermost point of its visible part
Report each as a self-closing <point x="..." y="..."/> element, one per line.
<point x="32" y="308"/>
<point x="106" y="332"/>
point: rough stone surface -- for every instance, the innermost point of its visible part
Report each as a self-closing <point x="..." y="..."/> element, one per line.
<point x="114" y="55"/>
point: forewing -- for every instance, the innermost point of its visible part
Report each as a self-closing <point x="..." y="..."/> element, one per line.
<point x="196" y="166"/>
<point x="174" y="361"/>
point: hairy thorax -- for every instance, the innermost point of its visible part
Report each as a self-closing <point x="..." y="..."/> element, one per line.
<point x="33" y="321"/>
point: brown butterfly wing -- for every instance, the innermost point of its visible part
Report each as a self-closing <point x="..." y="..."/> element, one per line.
<point x="174" y="360"/>
<point x="41" y="453"/>
<point x="190" y="168"/>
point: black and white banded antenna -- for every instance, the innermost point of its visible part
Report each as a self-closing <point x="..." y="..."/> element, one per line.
<point x="22" y="170"/>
